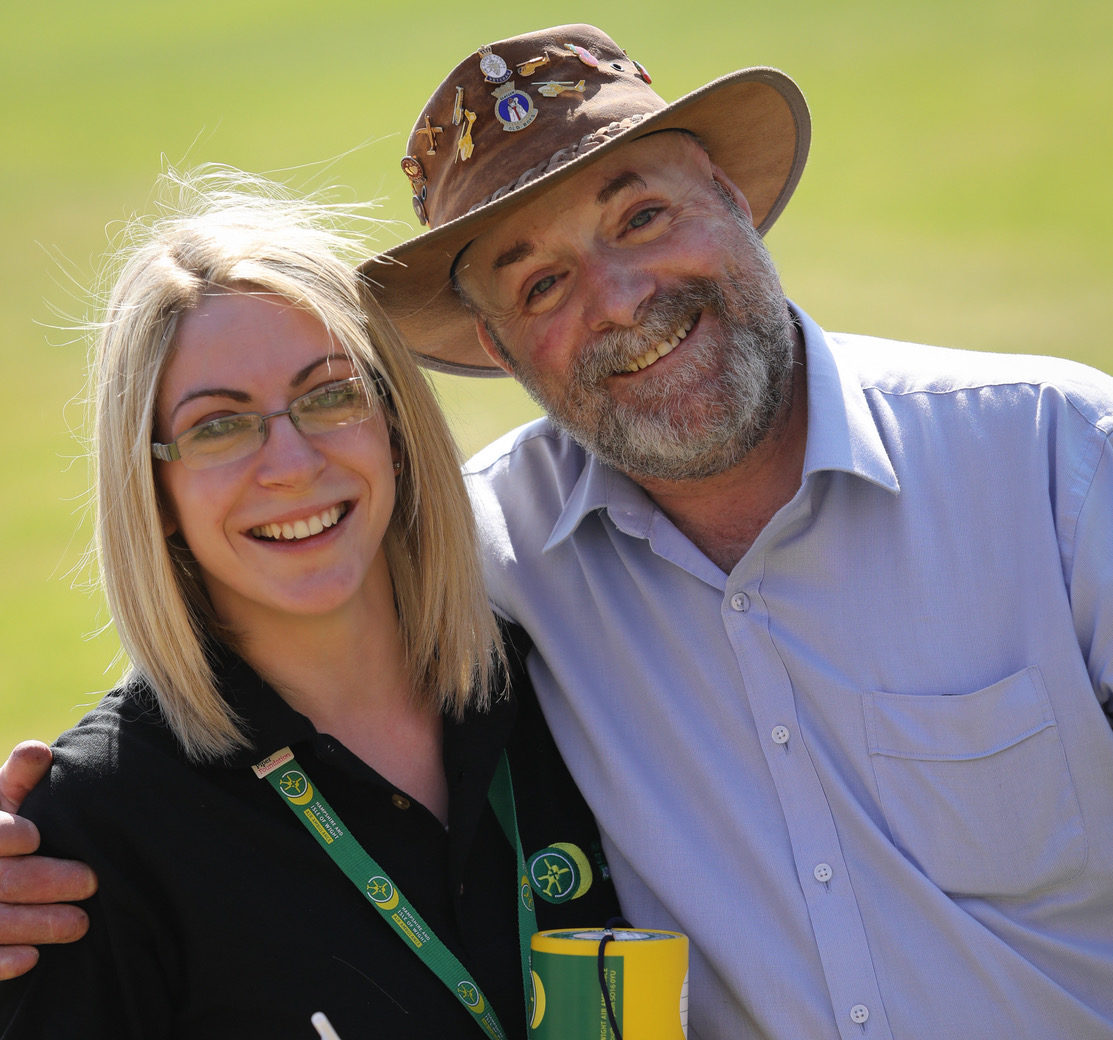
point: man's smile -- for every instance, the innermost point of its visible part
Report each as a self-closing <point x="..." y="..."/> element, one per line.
<point x="665" y="346"/>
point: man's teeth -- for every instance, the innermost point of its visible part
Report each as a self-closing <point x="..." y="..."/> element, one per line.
<point x="292" y="532"/>
<point x="666" y="346"/>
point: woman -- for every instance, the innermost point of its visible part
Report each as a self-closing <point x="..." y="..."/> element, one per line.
<point x="288" y="556"/>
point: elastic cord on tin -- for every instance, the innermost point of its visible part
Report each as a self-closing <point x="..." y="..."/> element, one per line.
<point x="608" y="935"/>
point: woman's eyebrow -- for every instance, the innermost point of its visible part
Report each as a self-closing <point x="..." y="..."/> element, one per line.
<point x="304" y="373"/>
<point x="242" y="397"/>
<point x="211" y="391"/>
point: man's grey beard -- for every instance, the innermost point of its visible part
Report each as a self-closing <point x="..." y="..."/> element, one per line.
<point x="721" y="401"/>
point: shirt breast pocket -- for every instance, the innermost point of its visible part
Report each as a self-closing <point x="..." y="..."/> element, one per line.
<point x="975" y="788"/>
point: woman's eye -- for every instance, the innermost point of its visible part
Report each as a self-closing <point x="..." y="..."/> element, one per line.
<point x="541" y="286"/>
<point x="214" y="429"/>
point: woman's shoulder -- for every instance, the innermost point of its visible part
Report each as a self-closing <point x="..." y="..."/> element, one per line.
<point x="121" y="744"/>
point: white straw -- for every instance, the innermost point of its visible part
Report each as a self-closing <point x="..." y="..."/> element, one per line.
<point x="323" y="1026"/>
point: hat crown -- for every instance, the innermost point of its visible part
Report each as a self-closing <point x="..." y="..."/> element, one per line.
<point x="517" y="109"/>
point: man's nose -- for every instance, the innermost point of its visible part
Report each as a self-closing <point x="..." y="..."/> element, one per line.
<point x="619" y="292"/>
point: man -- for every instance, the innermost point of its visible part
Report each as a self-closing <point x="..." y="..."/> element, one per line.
<point x="822" y="624"/>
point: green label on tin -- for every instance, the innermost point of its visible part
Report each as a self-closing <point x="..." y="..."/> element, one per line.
<point x="568" y="997"/>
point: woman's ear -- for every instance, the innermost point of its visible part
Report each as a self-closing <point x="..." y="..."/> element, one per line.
<point x="165" y="511"/>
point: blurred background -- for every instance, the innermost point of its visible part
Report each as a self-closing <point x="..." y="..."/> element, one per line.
<point x="957" y="193"/>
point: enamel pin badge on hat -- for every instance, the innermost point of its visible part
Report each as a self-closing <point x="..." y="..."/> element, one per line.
<point x="494" y="68"/>
<point x="513" y="108"/>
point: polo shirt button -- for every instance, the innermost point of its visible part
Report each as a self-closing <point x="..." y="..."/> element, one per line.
<point x="780" y="734"/>
<point x="859" y="1014"/>
<point x="740" y="602"/>
<point x="823" y="873"/>
<point x="400" y="801"/>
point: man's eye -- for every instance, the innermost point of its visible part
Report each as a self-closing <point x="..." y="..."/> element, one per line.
<point x="643" y="217"/>
<point x="541" y="286"/>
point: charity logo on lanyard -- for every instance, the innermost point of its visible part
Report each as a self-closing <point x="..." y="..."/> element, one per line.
<point x="284" y="774"/>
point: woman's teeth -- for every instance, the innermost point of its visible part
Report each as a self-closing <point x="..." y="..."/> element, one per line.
<point x="292" y="532"/>
<point x="666" y="346"/>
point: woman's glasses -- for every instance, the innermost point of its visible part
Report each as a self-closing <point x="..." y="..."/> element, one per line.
<point x="234" y="437"/>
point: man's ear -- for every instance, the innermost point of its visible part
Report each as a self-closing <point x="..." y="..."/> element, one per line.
<point x="732" y="189"/>
<point x="488" y="344"/>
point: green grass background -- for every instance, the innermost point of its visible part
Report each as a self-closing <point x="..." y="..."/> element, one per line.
<point x="958" y="192"/>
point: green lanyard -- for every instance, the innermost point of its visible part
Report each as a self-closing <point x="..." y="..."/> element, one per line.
<point x="291" y="782"/>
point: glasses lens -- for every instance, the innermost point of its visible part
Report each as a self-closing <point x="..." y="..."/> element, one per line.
<point x="338" y="404"/>
<point x="221" y="440"/>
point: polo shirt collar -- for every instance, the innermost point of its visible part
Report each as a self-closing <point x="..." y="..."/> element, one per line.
<point x="268" y="722"/>
<point x="474" y="742"/>
<point x="842" y="435"/>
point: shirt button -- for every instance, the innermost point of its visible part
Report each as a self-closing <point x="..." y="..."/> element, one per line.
<point x="400" y="801"/>
<point x="859" y="1013"/>
<point x="780" y="734"/>
<point x="740" y="602"/>
<point x="823" y="873"/>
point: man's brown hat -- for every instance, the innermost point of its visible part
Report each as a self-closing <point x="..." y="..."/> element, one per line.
<point x="519" y="116"/>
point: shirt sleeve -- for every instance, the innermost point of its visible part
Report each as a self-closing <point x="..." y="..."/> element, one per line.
<point x="112" y="983"/>
<point x="1090" y="574"/>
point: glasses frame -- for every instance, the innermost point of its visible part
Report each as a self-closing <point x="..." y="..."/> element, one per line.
<point x="170" y="452"/>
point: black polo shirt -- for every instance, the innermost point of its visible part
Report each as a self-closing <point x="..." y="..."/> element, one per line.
<point x="219" y="916"/>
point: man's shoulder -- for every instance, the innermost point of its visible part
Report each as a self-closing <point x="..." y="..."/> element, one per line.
<point x="520" y="486"/>
<point x="893" y="367"/>
<point x="536" y="444"/>
<point x="535" y="467"/>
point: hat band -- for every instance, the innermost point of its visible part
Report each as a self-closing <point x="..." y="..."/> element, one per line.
<point x="564" y="156"/>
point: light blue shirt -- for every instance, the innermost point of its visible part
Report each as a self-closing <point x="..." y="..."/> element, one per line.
<point x="868" y="772"/>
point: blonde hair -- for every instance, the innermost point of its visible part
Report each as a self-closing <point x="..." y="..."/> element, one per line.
<point x="226" y="229"/>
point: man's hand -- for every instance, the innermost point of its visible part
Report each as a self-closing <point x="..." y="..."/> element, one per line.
<point x="34" y="890"/>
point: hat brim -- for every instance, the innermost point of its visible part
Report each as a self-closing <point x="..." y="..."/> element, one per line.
<point x="755" y="126"/>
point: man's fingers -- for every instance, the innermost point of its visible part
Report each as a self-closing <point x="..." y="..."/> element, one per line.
<point x="26" y="766"/>
<point x="45" y="923"/>
<point x="17" y="960"/>
<point x="18" y="837"/>
<point x="41" y="879"/>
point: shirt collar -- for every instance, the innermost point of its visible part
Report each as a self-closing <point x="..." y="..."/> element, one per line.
<point x="842" y="435"/>
<point x="842" y="432"/>
<point x="266" y="720"/>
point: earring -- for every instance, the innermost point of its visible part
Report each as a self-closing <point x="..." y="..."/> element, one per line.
<point x="398" y="467"/>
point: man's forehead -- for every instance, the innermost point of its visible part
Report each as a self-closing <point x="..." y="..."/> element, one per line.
<point x="627" y="167"/>
<point x="604" y="185"/>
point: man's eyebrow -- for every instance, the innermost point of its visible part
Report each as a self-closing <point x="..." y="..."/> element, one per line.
<point x="518" y="251"/>
<point x="629" y="179"/>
